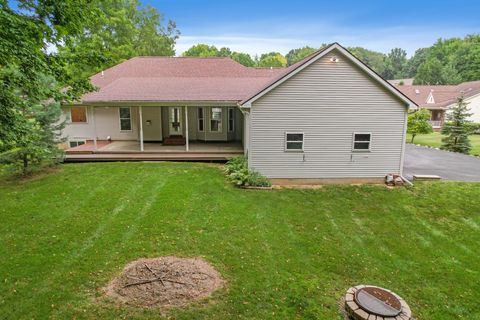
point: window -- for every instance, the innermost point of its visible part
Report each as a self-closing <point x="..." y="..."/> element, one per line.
<point x="76" y="143"/>
<point x="294" y="141"/>
<point x="125" y="119"/>
<point x="231" y="119"/>
<point x="216" y="120"/>
<point x="361" y="141"/>
<point x="78" y="114"/>
<point x="200" y="117"/>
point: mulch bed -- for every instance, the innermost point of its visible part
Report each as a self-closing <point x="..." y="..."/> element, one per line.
<point x="164" y="282"/>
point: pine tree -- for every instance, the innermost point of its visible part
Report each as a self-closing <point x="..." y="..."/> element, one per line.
<point x="457" y="128"/>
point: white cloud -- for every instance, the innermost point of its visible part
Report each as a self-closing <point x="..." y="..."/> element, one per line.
<point x="380" y="39"/>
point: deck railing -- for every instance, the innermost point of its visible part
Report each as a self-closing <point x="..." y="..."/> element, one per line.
<point x="436" y="123"/>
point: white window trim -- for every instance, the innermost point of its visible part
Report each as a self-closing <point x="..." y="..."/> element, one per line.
<point x="87" y="117"/>
<point x="120" y="120"/>
<point x="232" y="129"/>
<point x="202" y="119"/>
<point x="369" y="143"/>
<point x="294" y="150"/>
<point x="210" y="120"/>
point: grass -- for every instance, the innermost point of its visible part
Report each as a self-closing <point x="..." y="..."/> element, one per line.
<point x="435" y="140"/>
<point x="286" y="254"/>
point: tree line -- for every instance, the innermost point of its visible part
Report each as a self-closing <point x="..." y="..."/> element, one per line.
<point x="448" y="61"/>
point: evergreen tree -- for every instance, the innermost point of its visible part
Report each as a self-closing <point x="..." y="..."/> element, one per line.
<point x="33" y="81"/>
<point x="457" y="128"/>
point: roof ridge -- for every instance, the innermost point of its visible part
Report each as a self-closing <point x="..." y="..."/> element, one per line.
<point x="178" y="57"/>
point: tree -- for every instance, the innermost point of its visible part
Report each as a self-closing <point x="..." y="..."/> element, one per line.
<point x="457" y="128"/>
<point x="466" y="60"/>
<point x="205" y="50"/>
<point x="272" y="59"/>
<point x="450" y="61"/>
<point x="418" y="123"/>
<point x="395" y="64"/>
<point x="243" y="58"/>
<point x="415" y="61"/>
<point x="373" y="59"/>
<point x="201" y="50"/>
<point x="33" y="81"/>
<point x="38" y="145"/>
<point x="430" y="73"/>
<point x="295" y="55"/>
<point x="224" y="52"/>
<point x="119" y="30"/>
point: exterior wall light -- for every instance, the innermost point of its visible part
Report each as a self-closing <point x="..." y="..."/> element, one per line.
<point x="334" y="59"/>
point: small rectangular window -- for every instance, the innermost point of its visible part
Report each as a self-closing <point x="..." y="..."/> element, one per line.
<point x="76" y="143"/>
<point x="294" y="141"/>
<point x="362" y="141"/>
<point x="125" y="119"/>
<point x="78" y="114"/>
<point x="216" y="120"/>
<point x="201" y="119"/>
<point x="231" y="119"/>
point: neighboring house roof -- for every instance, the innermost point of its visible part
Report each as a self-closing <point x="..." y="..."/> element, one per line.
<point x="178" y="79"/>
<point x="439" y="97"/>
<point x="407" y="82"/>
<point x="182" y="79"/>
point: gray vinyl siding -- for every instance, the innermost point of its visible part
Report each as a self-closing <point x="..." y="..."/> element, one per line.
<point x="328" y="102"/>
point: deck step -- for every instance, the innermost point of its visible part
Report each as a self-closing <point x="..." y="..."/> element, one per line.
<point x="174" y="141"/>
<point x="425" y="177"/>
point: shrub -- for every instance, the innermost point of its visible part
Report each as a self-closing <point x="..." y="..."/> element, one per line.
<point x="474" y="127"/>
<point x="238" y="173"/>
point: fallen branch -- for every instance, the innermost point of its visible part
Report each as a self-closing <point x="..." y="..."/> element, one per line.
<point x="154" y="280"/>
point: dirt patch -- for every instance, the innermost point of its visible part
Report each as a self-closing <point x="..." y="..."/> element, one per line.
<point x="164" y="282"/>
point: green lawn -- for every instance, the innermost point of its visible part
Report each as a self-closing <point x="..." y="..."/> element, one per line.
<point x="435" y="140"/>
<point x="286" y="254"/>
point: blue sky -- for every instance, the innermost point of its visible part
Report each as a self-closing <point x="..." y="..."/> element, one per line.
<point x="261" y="26"/>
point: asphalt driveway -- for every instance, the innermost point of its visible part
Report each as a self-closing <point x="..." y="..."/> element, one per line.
<point x="447" y="165"/>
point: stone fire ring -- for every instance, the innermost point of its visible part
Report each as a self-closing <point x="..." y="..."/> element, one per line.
<point x="374" y="303"/>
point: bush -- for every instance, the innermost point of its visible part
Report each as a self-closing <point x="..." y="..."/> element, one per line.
<point x="474" y="127"/>
<point x="238" y="173"/>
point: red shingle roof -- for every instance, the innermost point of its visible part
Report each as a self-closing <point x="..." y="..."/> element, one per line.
<point x="178" y="79"/>
<point x="443" y="95"/>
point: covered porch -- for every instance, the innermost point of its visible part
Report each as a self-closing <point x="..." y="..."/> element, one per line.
<point x="437" y="118"/>
<point x="158" y="132"/>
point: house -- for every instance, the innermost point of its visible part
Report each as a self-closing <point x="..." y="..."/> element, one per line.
<point x="439" y="99"/>
<point x="328" y="116"/>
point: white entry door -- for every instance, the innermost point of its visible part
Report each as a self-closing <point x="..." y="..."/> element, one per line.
<point x="175" y="121"/>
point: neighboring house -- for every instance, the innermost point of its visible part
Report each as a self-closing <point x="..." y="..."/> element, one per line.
<point x="328" y="116"/>
<point x="438" y="99"/>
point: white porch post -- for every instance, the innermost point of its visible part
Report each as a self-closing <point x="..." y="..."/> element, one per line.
<point x="186" y="129"/>
<point x="141" y="127"/>
<point x="92" y="112"/>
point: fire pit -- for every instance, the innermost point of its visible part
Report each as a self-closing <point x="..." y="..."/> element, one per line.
<point x="370" y="302"/>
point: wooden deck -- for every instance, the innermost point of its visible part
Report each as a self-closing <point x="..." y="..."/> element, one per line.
<point x="130" y="151"/>
<point x="172" y="156"/>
